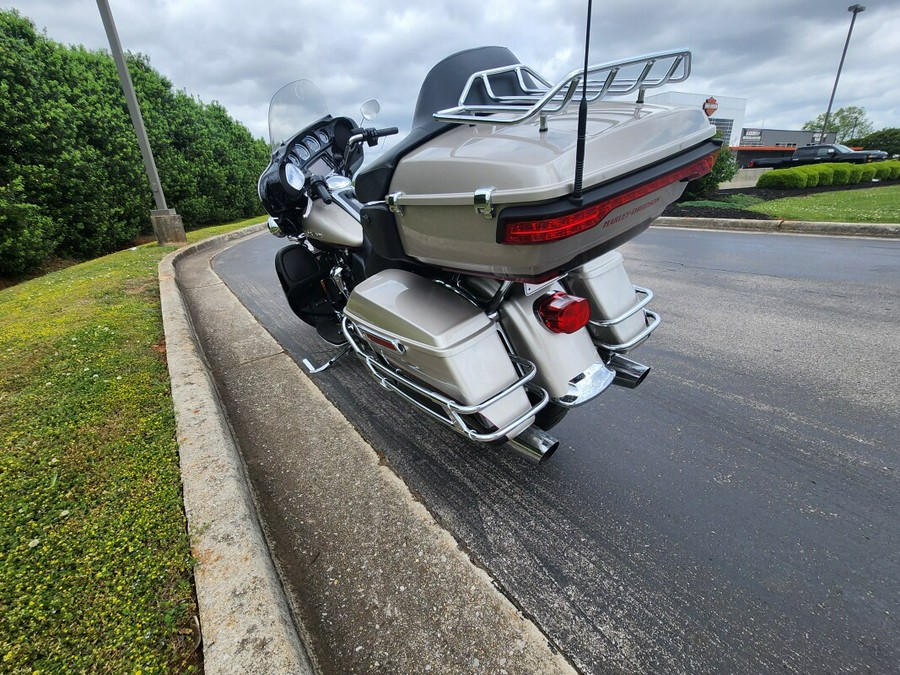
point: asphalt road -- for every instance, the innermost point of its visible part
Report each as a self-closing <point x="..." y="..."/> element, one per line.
<point x="736" y="513"/>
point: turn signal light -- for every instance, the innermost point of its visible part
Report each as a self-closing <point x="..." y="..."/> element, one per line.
<point x="563" y="313"/>
<point x="561" y="227"/>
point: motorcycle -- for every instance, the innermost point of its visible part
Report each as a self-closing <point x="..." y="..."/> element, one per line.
<point x="472" y="267"/>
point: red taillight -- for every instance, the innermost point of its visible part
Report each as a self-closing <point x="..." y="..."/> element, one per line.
<point x="563" y="313"/>
<point x="553" y="229"/>
<point x="561" y="227"/>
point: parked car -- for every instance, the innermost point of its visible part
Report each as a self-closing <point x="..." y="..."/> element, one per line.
<point x="812" y="154"/>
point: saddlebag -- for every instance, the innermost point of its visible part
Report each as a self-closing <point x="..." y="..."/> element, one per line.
<point x="619" y="320"/>
<point x="424" y="341"/>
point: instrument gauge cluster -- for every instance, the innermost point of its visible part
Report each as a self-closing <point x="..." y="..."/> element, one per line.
<point x="312" y="143"/>
<point x="312" y="150"/>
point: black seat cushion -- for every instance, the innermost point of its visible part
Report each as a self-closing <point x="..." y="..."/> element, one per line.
<point x="441" y="89"/>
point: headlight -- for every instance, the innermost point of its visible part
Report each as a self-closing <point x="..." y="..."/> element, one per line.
<point x="294" y="176"/>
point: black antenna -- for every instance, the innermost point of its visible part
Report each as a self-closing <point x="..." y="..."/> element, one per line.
<point x="582" y="116"/>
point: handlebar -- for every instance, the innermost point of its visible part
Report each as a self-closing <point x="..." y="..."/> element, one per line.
<point x="371" y="136"/>
<point x="320" y="188"/>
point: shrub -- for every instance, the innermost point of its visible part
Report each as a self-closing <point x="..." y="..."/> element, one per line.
<point x="841" y="174"/>
<point x="783" y="179"/>
<point x="882" y="171"/>
<point x="723" y="171"/>
<point x="868" y="173"/>
<point x="895" y="169"/>
<point x="27" y="236"/>
<point x="855" y="174"/>
<point x="812" y="175"/>
<point x="826" y="175"/>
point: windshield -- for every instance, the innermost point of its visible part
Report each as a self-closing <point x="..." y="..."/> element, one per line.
<point x="294" y="107"/>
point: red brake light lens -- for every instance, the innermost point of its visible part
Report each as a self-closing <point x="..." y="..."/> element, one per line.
<point x="561" y="227"/>
<point x="563" y="313"/>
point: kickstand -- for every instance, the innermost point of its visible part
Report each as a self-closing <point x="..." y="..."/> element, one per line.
<point x="330" y="362"/>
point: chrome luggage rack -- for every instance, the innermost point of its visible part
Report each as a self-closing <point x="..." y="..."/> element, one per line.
<point x="451" y="412"/>
<point x="617" y="78"/>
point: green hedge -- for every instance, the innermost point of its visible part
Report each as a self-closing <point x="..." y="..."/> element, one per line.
<point x="813" y="175"/>
<point x="868" y="173"/>
<point x="783" y="179"/>
<point x="826" y="175"/>
<point x="882" y="171"/>
<point x="26" y="234"/>
<point x="70" y="167"/>
<point x="841" y="173"/>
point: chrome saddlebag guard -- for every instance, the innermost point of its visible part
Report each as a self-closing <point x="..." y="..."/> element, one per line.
<point x="440" y="352"/>
<point x="619" y="318"/>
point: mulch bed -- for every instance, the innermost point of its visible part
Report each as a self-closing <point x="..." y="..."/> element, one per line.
<point x="676" y="211"/>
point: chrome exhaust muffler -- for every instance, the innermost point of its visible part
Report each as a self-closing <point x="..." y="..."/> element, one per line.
<point x="534" y="444"/>
<point x="628" y="373"/>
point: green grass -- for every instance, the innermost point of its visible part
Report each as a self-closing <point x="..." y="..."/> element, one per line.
<point x="871" y="205"/>
<point x="95" y="564"/>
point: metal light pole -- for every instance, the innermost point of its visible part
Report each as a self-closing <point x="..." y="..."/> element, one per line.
<point x="856" y="9"/>
<point x="166" y="222"/>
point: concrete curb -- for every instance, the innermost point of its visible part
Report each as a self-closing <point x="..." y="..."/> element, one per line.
<point x="244" y="617"/>
<point x="371" y="534"/>
<point x="885" y="230"/>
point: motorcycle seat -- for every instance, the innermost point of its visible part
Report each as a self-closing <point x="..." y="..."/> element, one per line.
<point x="441" y="89"/>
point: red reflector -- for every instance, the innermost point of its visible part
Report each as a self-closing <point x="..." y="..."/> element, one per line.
<point x="563" y="313"/>
<point x="561" y="227"/>
<point x="384" y="342"/>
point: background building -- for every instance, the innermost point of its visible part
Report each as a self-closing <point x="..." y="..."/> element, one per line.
<point x="728" y="115"/>
<point x="759" y="143"/>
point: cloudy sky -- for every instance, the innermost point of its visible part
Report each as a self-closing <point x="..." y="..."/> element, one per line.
<point x="779" y="55"/>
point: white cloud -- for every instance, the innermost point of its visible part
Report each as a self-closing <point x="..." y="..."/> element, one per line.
<point x="780" y="55"/>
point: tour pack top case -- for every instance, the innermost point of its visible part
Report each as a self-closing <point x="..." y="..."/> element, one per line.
<point x="486" y="185"/>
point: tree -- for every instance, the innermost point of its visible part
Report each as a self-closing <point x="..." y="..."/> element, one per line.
<point x="849" y="122"/>
<point x="71" y="176"/>
<point x="886" y="139"/>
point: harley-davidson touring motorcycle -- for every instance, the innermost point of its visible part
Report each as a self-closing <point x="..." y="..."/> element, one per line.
<point x="472" y="267"/>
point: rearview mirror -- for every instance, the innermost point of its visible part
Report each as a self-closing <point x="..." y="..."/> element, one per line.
<point x="370" y="109"/>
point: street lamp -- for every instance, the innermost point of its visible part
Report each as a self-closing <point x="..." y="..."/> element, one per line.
<point x="167" y="224"/>
<point x="856" y="9"/>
